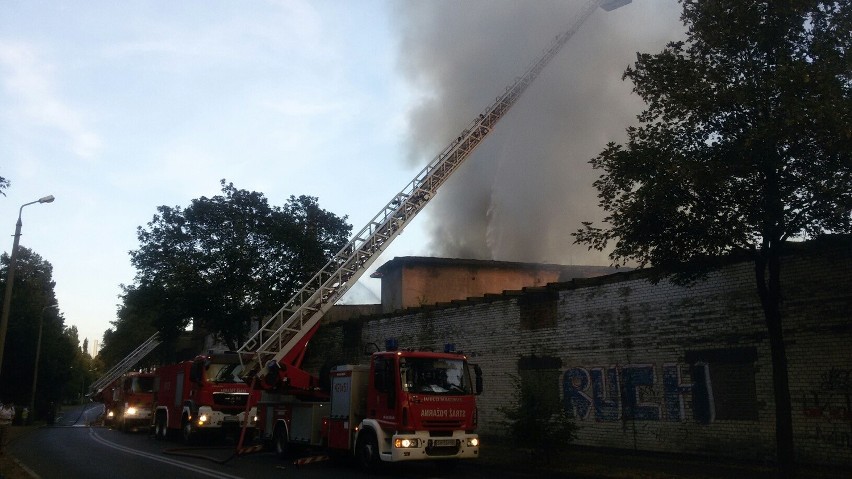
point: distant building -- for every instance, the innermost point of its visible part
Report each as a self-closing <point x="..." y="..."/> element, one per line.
<point x="414" y="281"/>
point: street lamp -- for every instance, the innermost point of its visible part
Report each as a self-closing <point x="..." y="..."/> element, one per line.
<point x="38" y="353"/>
<point x="7" y="299"/>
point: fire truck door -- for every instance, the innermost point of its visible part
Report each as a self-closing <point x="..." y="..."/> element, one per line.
<point x="383" y="394"/>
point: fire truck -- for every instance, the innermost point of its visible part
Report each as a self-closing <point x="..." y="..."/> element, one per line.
<point x="126" y="394"/>
<point x="406" y="405"/>
<point x="127" y="401"/>
<point x="106" y="397"/>
<point x="203" y="396"/>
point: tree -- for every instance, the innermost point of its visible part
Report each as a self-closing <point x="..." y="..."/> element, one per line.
<point x="32" y="295"/>
<point x="225" y="261"/>
<point x="4" y="183"/>
<point x="745" y="144"/>
<point x="144" y="311"/>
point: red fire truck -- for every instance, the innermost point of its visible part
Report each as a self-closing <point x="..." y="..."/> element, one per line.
<point x="107" y="396"/>
<point x="406" y="405"/>
<point x="132" y="397"/>
<point x="127" y="400"/>
<point x="205" y="395"/>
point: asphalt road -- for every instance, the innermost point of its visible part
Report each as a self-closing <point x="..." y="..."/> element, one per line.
<point x="73" y="448"/>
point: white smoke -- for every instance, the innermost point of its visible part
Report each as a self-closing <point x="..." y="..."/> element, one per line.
<point x="529" y="185"/>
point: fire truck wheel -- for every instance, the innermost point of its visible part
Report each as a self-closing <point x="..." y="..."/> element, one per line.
<point x="367" y="451"/>
<point x="160" y="430"/>
<point x="186" y="431"/>
<point x="280" y="441"/>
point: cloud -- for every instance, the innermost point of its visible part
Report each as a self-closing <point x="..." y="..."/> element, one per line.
<point x="226" y="35"/>
<point x="28" y="80"/>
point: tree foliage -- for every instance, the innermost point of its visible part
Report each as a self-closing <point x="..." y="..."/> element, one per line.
<point x="136" y="322"/>
<point x="745" y="144"/>
<point x="224" y="261"/>
<point x="746" y="138"/>
<point x="62" y="365"/>
<point x="534" y="422"/>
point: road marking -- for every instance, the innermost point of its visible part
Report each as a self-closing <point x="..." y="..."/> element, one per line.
<point x="24" y="467"/>
<point x="201" y="470"/>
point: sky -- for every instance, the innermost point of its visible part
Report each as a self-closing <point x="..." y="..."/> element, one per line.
<point x="116" y="108"/>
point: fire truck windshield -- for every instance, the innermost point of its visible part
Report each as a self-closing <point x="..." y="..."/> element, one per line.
<point x="435" y="376"/>
<point x="228" y="373"/>
<point x="143" y="384"/>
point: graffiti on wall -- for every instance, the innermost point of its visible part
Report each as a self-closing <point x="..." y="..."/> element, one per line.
<point x="829" y="406"/>
<point x="630" y="392"/>
<point x="830" y="400"/>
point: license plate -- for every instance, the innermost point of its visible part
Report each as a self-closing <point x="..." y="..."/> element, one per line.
<point x="444" y="442"/>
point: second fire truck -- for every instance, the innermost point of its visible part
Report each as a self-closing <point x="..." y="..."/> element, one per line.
<point x="127" y="401"/>
<point x="202" y="396"/>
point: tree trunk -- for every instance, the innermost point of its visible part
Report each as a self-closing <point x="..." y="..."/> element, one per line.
<point x="769" y="290"/>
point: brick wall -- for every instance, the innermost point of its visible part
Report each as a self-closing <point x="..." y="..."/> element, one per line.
<point x="660" y="367"/>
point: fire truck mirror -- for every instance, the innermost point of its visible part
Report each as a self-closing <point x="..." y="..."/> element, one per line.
<point x="477" y="371"/>
<point x="379" y="375"/>
<point x="390" y="384"/>
<point x="371" y="348"/>
<point x="196" y="371"/>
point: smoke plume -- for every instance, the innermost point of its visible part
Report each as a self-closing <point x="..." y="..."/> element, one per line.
<point x="529" y="185"/>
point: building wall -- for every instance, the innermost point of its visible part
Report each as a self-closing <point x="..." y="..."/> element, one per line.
<point x="414" y="282"/>
<point x="392" y="292"/>
<point x="664" y="368"/>
<point x="440" y="284"/>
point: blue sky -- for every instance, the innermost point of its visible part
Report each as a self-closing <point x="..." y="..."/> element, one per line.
<point x="116" y="108"/>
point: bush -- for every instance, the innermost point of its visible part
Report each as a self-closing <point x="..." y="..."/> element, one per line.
<point x="534" y="421"/>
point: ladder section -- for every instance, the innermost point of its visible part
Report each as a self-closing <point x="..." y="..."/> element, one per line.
<point x="287" y="329"/>
<point x="125" y="364"/>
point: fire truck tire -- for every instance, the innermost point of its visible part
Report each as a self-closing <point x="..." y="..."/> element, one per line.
<point x="187" y="434"/>
<point x="122" y="425"/>
<point x="160" y="429"/>
<point x="280" y="441"/>
<point x="367" y="451"/>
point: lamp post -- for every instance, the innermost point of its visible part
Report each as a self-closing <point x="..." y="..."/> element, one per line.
<point x="7" y="299"/>
<point x="38" y="353"/>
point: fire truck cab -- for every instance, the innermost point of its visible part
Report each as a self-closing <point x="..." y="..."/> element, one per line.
<point x="128" y="401"/>
<point x="202" y="396"/>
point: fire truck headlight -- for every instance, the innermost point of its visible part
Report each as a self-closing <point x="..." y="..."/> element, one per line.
<point x="111" y="414"/>
<point x="131" y="411"/>
<point x="202" y="418"/>
<point x="473" y="442"/>
<point x="254" y="419"/>
<point x="405" y="442"/>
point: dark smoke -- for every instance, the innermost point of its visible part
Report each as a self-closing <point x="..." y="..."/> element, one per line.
<point x="529" y="185"/>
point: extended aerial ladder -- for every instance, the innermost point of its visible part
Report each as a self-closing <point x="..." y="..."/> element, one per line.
<point x="279" y="344"/>
<point x="125" y="364"/>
